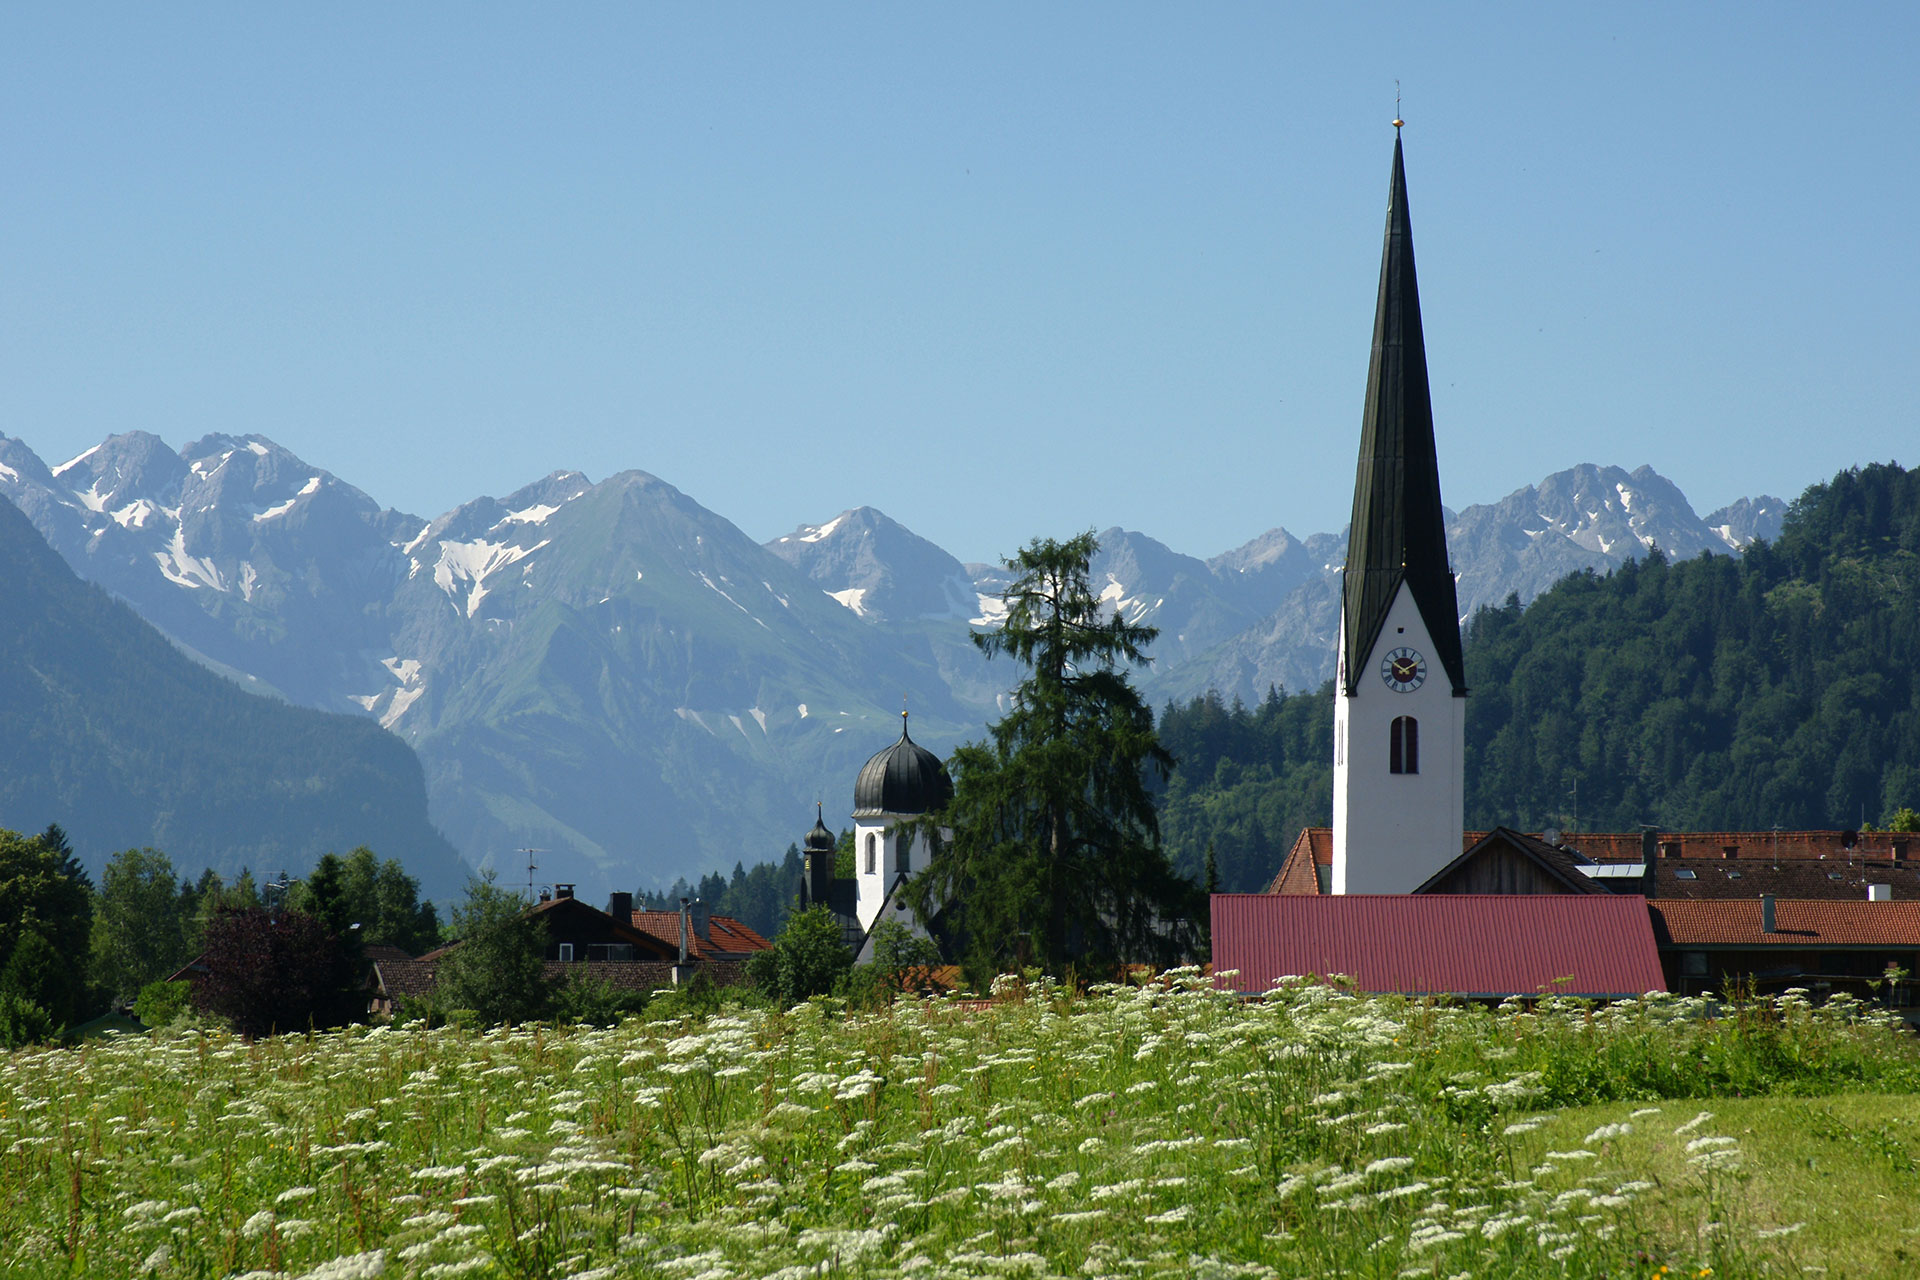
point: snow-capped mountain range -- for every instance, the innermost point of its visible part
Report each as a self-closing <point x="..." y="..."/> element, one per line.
<point x="623" y="682"/>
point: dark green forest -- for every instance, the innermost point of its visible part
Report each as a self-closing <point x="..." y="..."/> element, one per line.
<point x="108" y="730"/>
<point x="1778" y="688"/>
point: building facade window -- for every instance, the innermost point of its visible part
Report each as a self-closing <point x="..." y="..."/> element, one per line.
<point x="566" y="953"/>
<point x="873" y="853"/>
<point x="1403" y="745"/>
<point x="906" y="855"/>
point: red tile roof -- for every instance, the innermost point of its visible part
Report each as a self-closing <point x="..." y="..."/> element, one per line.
<point x="1460" y="944"/>
<point x="1797" y="922"/>
<point x="725" y="935"/>
<point x="1313" y="847"/>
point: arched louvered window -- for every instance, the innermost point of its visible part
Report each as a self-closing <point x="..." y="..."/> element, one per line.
<point x="1403" y="747"/>
<point x="873" y="853"/>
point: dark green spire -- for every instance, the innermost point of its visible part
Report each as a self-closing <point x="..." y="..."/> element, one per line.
<point x="1399" y="531"/>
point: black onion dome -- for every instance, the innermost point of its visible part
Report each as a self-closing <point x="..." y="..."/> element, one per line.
<point x="820" y="840"/>
<point x="906" y="778"/>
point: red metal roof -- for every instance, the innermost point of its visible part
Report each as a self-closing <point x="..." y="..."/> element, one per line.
<point x="1797" y="922"/>
<point x="1458" y="944"/>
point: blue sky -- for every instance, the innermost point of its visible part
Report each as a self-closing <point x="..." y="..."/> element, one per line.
<point x="999" y="270"/>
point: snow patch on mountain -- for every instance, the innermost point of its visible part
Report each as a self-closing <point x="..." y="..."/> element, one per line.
<point x="76" y="460"/>
<point x="536" y="514"/>
<point x="402" y="700"/>
<point x="818" y="533"/>
<point x="993" y="611"/>
<point x="694" y="717"/>
<point x="701" y="574"/>
<point x="465" y="566"/>
<point x="405" y="670"/>
<point x="135" y="514"/>
<point x="851" y="598"/>
<point x="187" y="570"/>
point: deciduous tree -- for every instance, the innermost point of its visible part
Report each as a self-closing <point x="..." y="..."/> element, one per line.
<point x="139" y="935"/>
<point x="276" y="971"/>
<point x="498" y="969"/>
<point x="807" y="959"/>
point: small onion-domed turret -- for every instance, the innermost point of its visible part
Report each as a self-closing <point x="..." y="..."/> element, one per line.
<point x="819" y="840"/>
<point x="904" y="779"/>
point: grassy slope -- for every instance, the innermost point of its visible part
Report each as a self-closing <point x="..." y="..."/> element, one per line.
<point x="1846" y="1165"/>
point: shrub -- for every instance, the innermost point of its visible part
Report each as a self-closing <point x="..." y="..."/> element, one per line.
<point x="596" y="1001"/>
<point x="160" y="1003"/>
<point x="22" y="1022"/>
<point x="807" y="959"/>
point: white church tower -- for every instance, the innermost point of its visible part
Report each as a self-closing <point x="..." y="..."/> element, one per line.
<point x="1400" y="709"/>
<point x="897" y="785"/>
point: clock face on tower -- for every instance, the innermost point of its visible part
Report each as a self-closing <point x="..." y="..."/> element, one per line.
<point x="1404" y="670"/>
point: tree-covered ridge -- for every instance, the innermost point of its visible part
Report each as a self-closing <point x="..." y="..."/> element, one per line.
<point x="1244" y="783"/>
<point x="1778" y="689"/>
<point x="109" y="730"/>
<point x="1775" y="690"/>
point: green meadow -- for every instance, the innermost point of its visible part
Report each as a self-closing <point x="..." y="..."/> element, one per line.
<point x="1158" y="1130"/>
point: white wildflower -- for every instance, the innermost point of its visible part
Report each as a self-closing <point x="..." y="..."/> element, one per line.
<point x="1694" y="1123"/>
<point x="355" y="1266"/>
<point x="1607" y="1132"/>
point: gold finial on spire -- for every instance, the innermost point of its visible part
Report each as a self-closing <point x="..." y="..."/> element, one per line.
<point x="1397" y="121"/>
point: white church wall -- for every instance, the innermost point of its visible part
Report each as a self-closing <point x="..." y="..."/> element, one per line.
<point x="1392" y="831"/>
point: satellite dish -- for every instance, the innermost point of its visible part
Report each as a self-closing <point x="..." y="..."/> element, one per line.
<point x="1551" y="835"/>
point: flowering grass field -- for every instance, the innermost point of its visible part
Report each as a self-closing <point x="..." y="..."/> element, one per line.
<point x="1166" y="1130"/>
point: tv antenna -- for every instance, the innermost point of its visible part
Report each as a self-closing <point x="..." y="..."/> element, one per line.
<point x="532" y="867"/>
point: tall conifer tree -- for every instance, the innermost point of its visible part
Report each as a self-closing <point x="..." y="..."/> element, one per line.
<point x="1049" y="852"/>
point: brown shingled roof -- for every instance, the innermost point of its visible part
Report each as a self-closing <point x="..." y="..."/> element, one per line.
<point x="1697" y="878"/>
<point x="1796" y="923"/>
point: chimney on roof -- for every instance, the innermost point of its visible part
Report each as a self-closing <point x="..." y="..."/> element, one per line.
<point x="620" y="907"/>
<point x="1766" y="913"/>
<point x="685" y="932"/>
<point x="1649" y="844"/>
<point x="1879" y="893"/>
<point x="700" y="919"/>
<point x="563" y="891"/>
<point x="546" y="894"/>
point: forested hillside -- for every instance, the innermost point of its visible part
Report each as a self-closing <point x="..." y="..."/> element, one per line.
<point x="109" y="731"/>
<point x="1779" y="689"/>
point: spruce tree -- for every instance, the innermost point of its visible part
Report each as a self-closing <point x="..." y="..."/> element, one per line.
<point x="1049" y="852"/>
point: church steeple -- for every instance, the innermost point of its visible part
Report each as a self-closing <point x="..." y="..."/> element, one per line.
<point x="1399" y="531"/>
